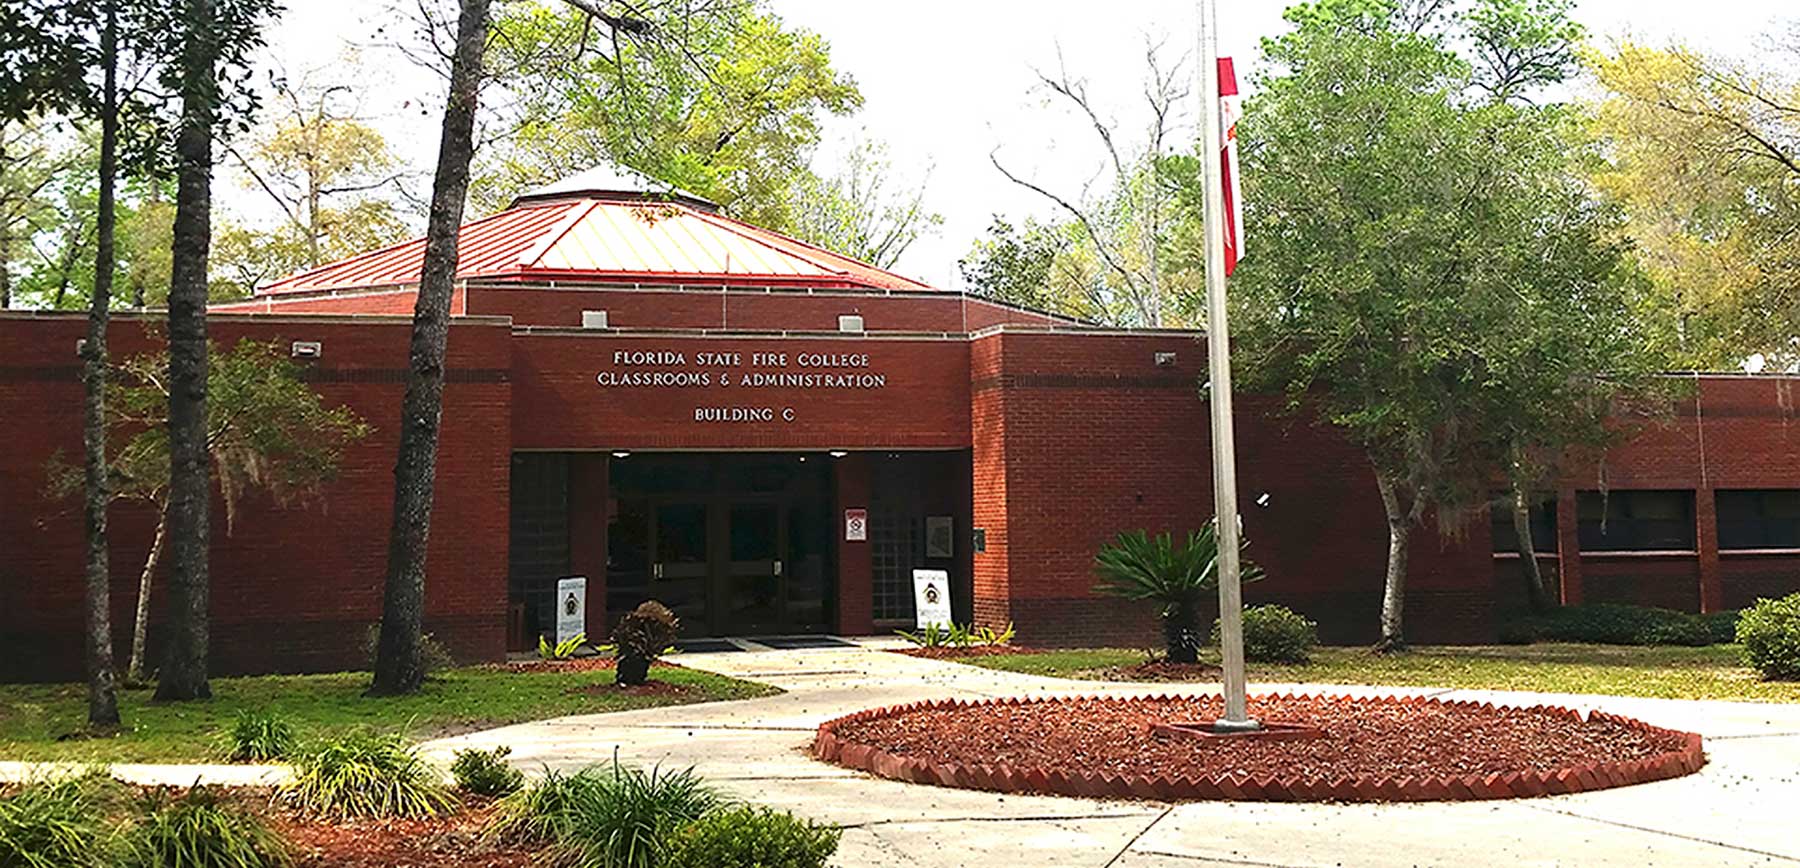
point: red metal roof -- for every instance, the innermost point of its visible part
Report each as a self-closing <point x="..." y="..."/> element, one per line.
<point x="605" y="239"/>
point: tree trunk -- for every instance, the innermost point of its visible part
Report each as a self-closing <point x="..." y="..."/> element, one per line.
<point x="183" y="674"/>
<point x="398" y="667"/>
<point x="140" y="626"/>
<point x="103" y="689"/>
<point x="1535" y="592"/>
<point x="1393" y="596"/>
<point x="1181" y="632"/>
<point x="5" y="259"/>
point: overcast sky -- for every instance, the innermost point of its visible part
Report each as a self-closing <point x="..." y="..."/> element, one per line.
<point x="948" y="82"/>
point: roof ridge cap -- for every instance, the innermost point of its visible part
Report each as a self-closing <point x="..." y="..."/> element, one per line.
<point x="737" y="227"/>
<point x="578" y="211"/>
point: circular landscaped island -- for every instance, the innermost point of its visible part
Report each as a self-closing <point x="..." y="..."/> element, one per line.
<point x="1332" y="748"/>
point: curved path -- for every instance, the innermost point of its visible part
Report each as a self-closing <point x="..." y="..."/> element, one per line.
<point x="1740" y="810"/>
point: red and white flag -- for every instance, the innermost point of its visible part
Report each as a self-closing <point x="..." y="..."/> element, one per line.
<point x="1231" y="107"/>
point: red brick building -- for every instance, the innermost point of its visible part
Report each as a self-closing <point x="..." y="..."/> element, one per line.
<point x="680" y="406"/>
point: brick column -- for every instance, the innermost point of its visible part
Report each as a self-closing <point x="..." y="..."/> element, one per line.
<point x="1706" y="534"/>
<point x="1568" y="546"/>
<point x="590" y="500"/>
<point x="855" y="567"/>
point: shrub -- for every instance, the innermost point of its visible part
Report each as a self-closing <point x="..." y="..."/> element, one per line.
<point x="197" y="830"/>
<point x="1275" y="634"/>
<point x="259" y="737"/>
<point x="56" y="824"/>
<point x="992" y="639"/>
<point x="1770" y="634"/>
<point x="433" y="656"/>
<point x="933" y="635"/>
<point x="485" y="772"/>
<point x="604" y="815"/>
<point x="1138" y="567"/>
<point x="745" y="837"/>
<point x="641" y="636"/>
<point x="1721" y="627"/>
<point x="1618" y="624"/>
<point x="366" y="774"/>
<point x="564" y="650"/>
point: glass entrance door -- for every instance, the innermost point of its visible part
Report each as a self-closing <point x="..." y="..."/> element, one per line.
<point x="679" y="574"/>
<point x="753" y="588"/>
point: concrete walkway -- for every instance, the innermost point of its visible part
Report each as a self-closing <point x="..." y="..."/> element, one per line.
<point x="1739" y="811"/>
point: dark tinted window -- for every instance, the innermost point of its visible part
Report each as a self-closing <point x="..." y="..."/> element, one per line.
<point x="1758" y="519"/>
<point x="1543" y="523"/>
<point x="1626" y="520"/>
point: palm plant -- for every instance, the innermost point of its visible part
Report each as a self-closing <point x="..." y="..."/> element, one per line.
<point x="1137" y="566"/>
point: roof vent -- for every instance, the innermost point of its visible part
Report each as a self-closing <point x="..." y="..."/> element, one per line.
<point x="850" y="323"/>
<point x="593" y="319"/>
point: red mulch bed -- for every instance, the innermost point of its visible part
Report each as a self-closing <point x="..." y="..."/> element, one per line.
<point x="944" y="652"/>
<point x="454" y="840"/>
<point x="1419" y="743"/>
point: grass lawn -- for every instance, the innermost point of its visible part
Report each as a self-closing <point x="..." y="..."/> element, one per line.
<point x="36" y="719"/>
<point x="1669" y="672"/>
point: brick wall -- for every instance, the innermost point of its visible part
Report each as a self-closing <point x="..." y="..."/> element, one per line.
<point x="293" y="589"/>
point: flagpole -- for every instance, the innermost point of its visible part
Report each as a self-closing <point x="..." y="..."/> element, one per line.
<point x="1218" y="356"/>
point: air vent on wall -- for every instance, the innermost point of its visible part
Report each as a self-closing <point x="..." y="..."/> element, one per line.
<point x="593" y="319"/>
<point x="850" y="322"/>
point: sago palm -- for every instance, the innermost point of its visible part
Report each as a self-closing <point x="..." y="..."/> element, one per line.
<point x="1137" y="566"/>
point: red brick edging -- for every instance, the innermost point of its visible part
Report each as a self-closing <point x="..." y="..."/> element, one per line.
<point x="830" y="747"/>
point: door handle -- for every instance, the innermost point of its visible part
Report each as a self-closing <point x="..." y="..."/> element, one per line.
<point x="777" y="568"/>
<point x="656" y="571"/>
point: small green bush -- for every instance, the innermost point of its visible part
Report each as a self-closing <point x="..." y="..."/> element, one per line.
<point x="1275" y="634"/>
<point x="564" y="650"/>
<point x="613" y="816"/>
<point x="57" y="824"/>
<point x="485" y="772"/>
<point x="746" y="837"/>
<point x="366" y="774"/>
<point x="1770" y="634"/>
<point x="1721" y="627"/>
<point x="259" y="736"/>
<point x="198" y="830"/>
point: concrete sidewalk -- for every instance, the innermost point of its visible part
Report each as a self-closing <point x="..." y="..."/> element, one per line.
<point x="1738" y="811"/>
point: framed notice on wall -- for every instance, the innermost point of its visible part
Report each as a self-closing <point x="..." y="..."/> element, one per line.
<point x="856" y="525"/>
<point x="931" y="597"/>
<point x="571" y="607"/>
<point x="940" y="536"/>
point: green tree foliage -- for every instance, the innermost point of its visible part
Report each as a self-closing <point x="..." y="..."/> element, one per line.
<point x="855" y="212"/>
<point x="328" y="173"/>
<point x="1428" y="273"/>
<point x="266" y="430"/>
<point x="1704" y="156"/>
<point x="724" y="100"/>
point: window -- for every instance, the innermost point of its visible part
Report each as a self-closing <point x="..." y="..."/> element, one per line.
<point x="1543" y="523"/>
<point x="1623" y="521"/>
<point x="1758" y="519"/>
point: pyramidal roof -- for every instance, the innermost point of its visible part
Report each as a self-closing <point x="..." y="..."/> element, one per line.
<point x="605" y="225"/>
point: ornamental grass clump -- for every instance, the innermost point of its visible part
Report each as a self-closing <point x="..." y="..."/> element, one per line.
<point x="1137" y="566"/>
<point x="259" y="736"/>
<point x="604" y="816"/>
<point x="59" y="824"/>
<point x="1770" y="635"/>
<point x="642" y="635"/>
<point x="199" y="830"/>
<point x="366" y="774"/>
<point x="485" y="772"/>
<point x="746" y="836"/>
